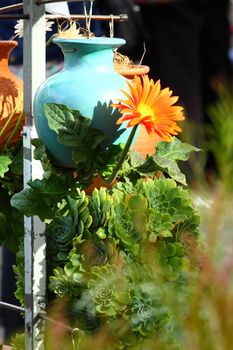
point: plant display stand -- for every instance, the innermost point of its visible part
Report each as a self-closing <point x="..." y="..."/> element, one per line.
<point x="34" y="72"/>
<point x="110" y="224"/>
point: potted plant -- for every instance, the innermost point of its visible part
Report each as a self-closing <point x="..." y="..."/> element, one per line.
<point x="106" y="249"/>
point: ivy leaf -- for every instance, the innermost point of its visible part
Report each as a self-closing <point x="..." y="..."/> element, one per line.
<point x="170" y="167"/>
<point x="165" y="159"/>
<point x="5" y="161"/>
<point x="175" y="150"/>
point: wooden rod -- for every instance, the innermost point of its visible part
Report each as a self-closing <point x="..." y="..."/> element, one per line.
<point x="14" y="16"/>
<point x="42" y="2"/>
<point x="120" y="18"/>
<point x="11" y="8"/>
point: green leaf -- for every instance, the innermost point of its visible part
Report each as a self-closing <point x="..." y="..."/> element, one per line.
<point x="155" y="163"/>
<point x="30" y="202"/>
<point x="175" y="150"/>
<point x="11" y="222"/>
<point x="52" y="186"/>
<point x="2" y="227"/>
<point x="17" y="163"/>
<point x="41" y="154"/>
<point x="165" y="159"/>
<point x="57" y="115"/>
<point x="72" y="128"/>
<point x="171" y="168"/>
<point x="5" y="161"/>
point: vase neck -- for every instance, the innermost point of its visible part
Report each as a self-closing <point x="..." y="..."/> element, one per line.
<point x="96" y="54"/>
<point x="4" y="65"/>
<point x="5" y="49"/>
<point x="92" y="60"/>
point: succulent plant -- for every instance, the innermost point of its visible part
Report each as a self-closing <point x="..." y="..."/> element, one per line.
<point x="145" y="313"/>
<point x="109" y="290"/>
<point x="60" y="234"/>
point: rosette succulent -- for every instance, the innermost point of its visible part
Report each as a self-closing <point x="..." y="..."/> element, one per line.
<point x="68" y="281"/>
<point x="100" y="205"/>
<point x="128" y="219"/>
<point x="109" y="290"/>
<point x="93" y="252"/>
<point x="171" y="258"/>
<point x="156" y="209"/>
<point x="60" y="234"/>
<point x="146" y="313"/>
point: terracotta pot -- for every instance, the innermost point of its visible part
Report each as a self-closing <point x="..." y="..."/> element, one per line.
<point x="129" y="73"/>
<point x="145" y="144"/>
<point x="11" y="96"/>
<point x="97" y="183"/>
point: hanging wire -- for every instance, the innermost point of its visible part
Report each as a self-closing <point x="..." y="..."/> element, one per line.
<point x="88" y="16"/>
<point x="144" y="52"/>
<point x="111" y="26"/>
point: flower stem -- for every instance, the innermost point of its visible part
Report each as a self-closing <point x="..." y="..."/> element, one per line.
<point x="51" y="39"/>
<point x="112" y="177"/>
<point x="14" y="131"/>
<point x="4" y="129"/>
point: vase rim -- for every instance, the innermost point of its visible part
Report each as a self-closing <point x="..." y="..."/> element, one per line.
<point x="105" y="41"/>
<point x="9" y="42"/>
<point x="137" y="69"/>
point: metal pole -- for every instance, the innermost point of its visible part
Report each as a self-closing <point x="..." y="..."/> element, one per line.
<point x="40" y="2"/>
<point x="34" y="240"/>
<point x="11" y="307"/>
<point x="43" y="315"/>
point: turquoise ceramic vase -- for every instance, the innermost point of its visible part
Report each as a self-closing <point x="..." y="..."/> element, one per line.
<point x="88" y="83"/>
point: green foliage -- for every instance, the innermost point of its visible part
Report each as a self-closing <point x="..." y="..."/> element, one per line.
<point x="19" y="273"/>
<point x="11" y="181"/>
<point x="153" y="212"/>
<point x="108" y="259"/>
<point x="75" y="131"/>
<point x="114" y="252"/>
<point x="5" y="161"/>
<point x="109" y="290"/>
<point x="219" y="136"/>
<point x="18" y="342"/>
<point x="165" y="159"/>
<point x="43" y="197"/>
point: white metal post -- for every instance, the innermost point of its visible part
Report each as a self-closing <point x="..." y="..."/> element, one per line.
<point x="34" y="241"/>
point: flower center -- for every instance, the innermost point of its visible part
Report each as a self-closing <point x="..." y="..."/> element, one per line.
<point x="145" y="110"/>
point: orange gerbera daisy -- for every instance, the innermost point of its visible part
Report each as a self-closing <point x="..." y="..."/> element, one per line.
<point x="149" y="105"/>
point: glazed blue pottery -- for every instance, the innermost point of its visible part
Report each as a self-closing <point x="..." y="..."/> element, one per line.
<point x="88" y="83"/>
